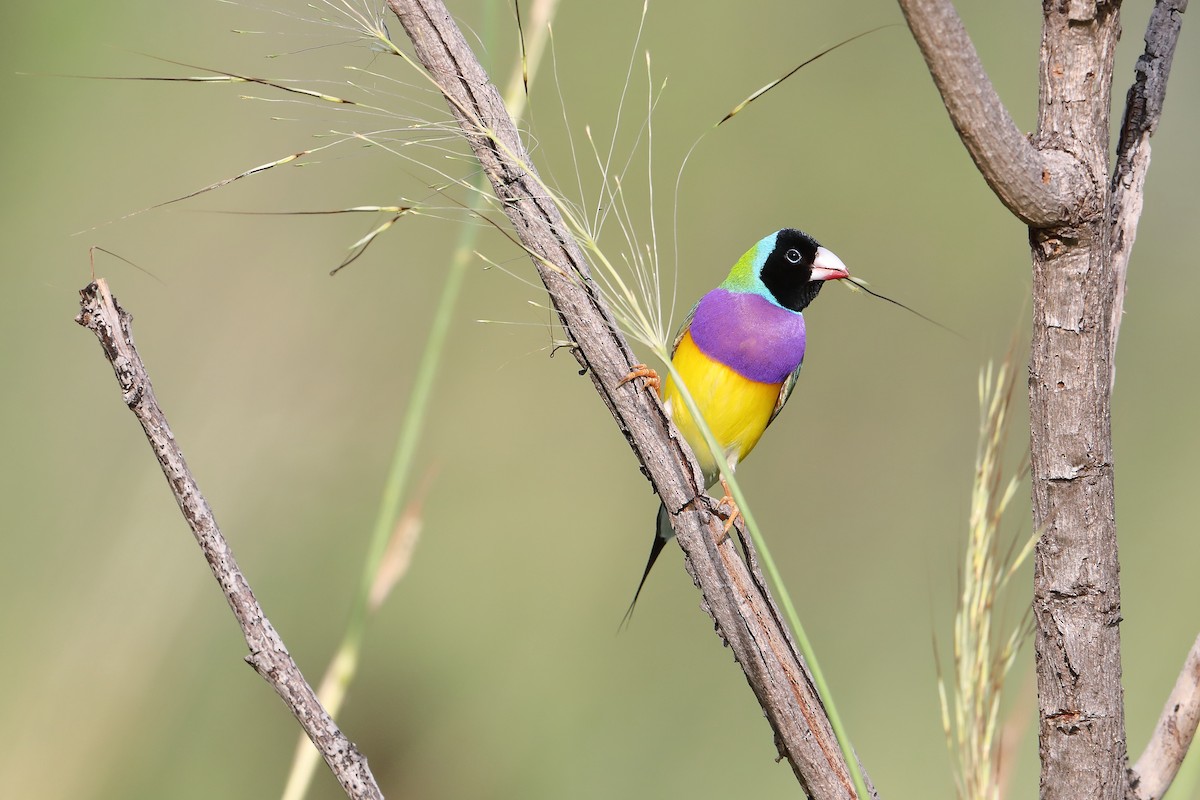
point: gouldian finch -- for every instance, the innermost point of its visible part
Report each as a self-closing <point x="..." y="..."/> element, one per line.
<point x="739" y="352"/>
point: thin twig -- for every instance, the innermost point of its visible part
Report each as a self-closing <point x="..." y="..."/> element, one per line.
<point x="1160" y="761"/>
<point x="743" y="617"/>
<point x="100" y="314"/>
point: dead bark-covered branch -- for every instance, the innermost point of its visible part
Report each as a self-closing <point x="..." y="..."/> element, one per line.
<point x="744" y="616"/>
<point x="100" y="314"/>
<point x="1143" y="108"/>
<point x="1160" y="761"/>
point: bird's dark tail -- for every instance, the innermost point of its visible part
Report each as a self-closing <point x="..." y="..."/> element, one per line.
<point x="660" y="541"/>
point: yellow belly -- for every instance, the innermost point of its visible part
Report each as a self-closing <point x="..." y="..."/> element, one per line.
<point x="736" y="409"/>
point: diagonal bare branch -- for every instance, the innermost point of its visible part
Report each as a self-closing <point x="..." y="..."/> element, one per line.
<point x="100" y="314"/>
<point x="744" y="616"/>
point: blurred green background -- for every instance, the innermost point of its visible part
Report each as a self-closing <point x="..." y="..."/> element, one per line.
<point x="494" y="670"/>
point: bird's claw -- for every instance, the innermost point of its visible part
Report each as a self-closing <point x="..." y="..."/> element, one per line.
<point x="642" y="371"/>
<point x="734" y="511"/>
<point x="733" y="515"/>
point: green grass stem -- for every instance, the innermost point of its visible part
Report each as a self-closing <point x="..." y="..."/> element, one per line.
<point x="344" y="665"/>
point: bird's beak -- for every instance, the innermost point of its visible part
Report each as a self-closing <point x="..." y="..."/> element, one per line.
<point x="828" y="267"/>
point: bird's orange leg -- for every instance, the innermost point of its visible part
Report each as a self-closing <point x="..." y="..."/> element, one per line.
<point x="642" y="371"/>
<point x="728" y="499"/>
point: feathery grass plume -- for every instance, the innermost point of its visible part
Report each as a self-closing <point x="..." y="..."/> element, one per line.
<point x="628" y="271"/>
<point x="983" y="655"/>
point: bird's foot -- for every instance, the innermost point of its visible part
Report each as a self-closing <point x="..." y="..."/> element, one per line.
<point x="642" y="371"/>
<point x="734" y="513"/>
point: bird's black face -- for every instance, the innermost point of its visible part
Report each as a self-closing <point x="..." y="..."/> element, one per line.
<point x="797" y="268"/>
<point x="787" y="272"/>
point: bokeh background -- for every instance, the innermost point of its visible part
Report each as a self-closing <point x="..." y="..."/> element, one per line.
<point x="494" y="670"/>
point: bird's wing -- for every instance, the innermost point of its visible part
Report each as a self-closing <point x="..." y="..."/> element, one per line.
<point x="683" y="328"/>
<point x="785" y="391"/>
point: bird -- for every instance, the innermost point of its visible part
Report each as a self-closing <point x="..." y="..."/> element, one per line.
<point x="739" y="351"/>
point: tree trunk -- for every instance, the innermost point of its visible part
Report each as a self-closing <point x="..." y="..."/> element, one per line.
<point x="1077" y="600"/>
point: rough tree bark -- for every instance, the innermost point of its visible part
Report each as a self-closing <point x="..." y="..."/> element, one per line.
<point x="1082" y="226"/>
<point x="1077" y="593"/>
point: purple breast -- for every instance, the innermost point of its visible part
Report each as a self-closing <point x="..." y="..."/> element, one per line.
<point x="750" y="334"/>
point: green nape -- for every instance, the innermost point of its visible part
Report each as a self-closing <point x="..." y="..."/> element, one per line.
<point x="746" y="275"/>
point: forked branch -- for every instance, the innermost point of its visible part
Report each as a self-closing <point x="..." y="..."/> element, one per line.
<point x="1082" y="225"/>
<point x="1039" y="186"/>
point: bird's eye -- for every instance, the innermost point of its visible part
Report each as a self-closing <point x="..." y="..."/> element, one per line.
<point x="793" y="256"/>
